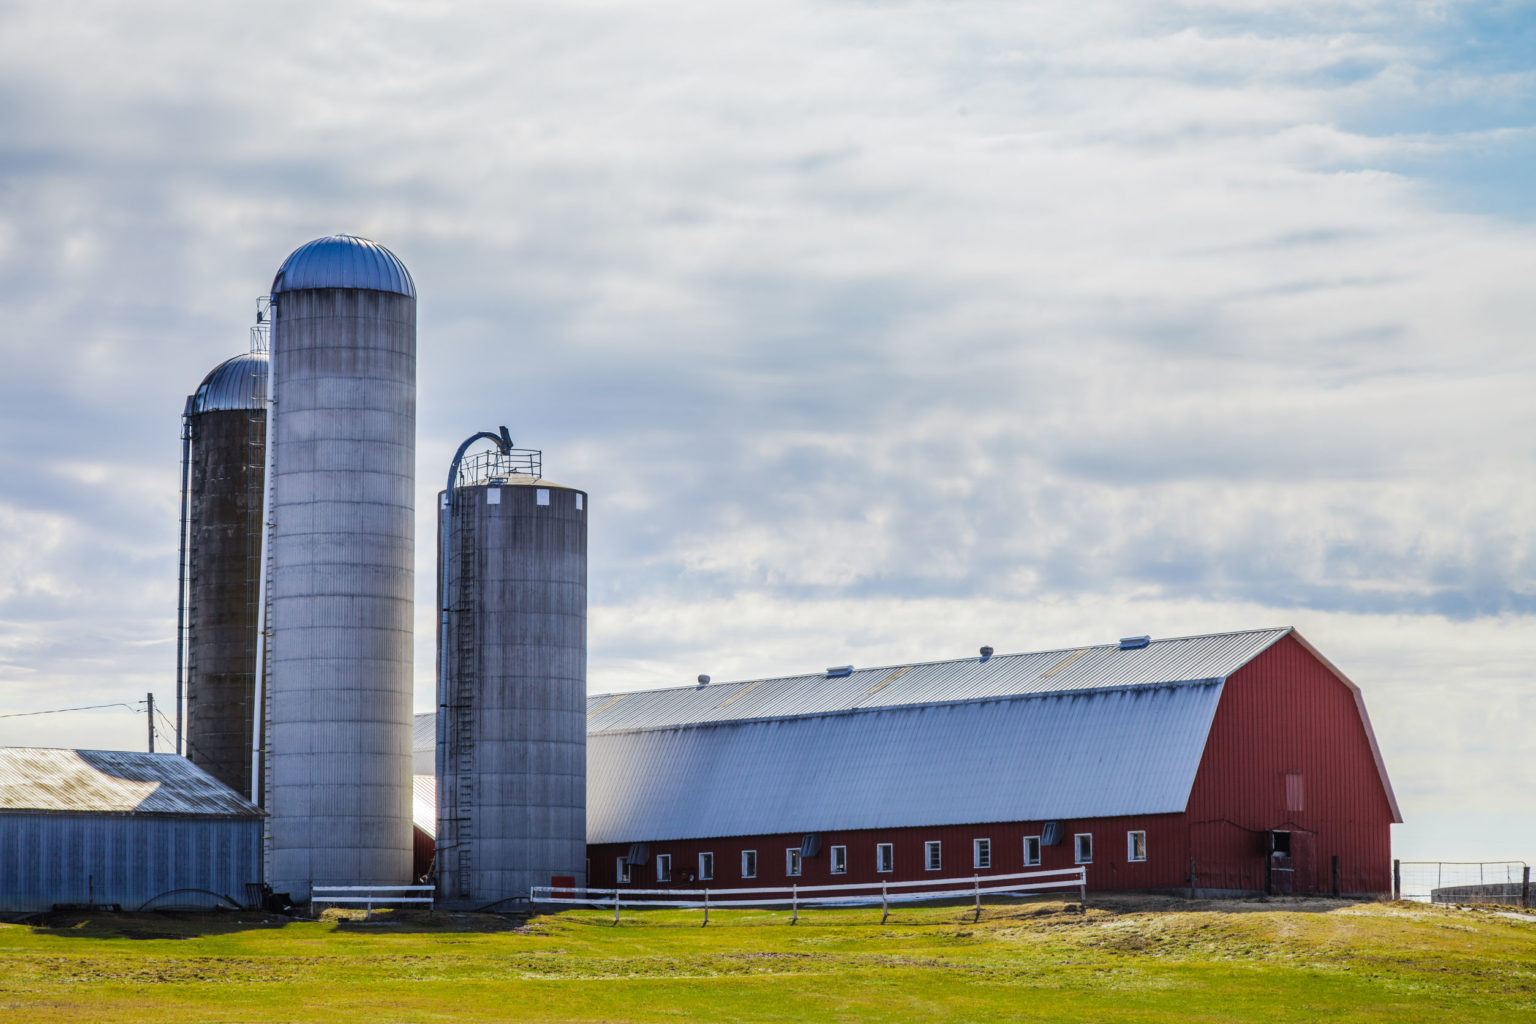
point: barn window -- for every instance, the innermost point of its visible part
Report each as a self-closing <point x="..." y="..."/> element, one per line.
<point x="1295" y="792"/>
<point x="706" y="866"/>
<point x="748" y="863"/>
<point x="1135" y="846"/>
<point x="885" y="857"/>
<point x="1031" y="851"/>
<point x="1082" y="845"/>
<point x="839" y="860"/>
<point x="981" y="853"/>
<point x="792" y="862"/>
<point x="933" y="855"/>
<point x="663" y="867"/>
<point x="621" y="869"/>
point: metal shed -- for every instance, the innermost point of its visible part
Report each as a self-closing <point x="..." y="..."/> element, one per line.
<point x="113" y="827"/>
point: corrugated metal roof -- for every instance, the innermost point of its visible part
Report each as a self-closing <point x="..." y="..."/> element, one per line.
<point x="424" y="803"/>
<point x="1102" y="753"/>
<point x="112" y="781"/>
<point x="238" y="383"/>
<point x="343" y="261"/>
<point x="1107" y="667"/>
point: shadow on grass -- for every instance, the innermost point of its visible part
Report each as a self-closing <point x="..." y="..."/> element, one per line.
<point x="155" y="924"/>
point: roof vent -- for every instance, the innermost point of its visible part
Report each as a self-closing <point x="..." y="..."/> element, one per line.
<point x="840" y="672"/>
<point x="703" y="680"/>
<point x="1131" y="643"/>
<point x="986" y="652"/>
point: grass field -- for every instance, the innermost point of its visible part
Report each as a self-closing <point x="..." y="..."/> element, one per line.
<point x="1127" y="960"/>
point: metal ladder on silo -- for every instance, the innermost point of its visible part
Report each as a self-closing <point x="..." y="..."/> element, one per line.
<point x="464" y="692"/>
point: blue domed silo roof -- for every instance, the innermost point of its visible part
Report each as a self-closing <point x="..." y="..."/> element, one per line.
<point x="238" y="383"/>
<point x="343" y="261"/>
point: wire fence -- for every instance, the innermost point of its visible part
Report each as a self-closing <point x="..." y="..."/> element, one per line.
<point x="800" y="897"/>
<point x="1504" y="882"/>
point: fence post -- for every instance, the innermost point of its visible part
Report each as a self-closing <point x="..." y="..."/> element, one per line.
<point x="794" y="903"/>
<point x="1397" y="879"/>
<point x="615" y="908"/>
<point x="976" y="881"/>
<point x="1082" y="889"/>
<point x="1525" y="888"/>
<point x="706" y="909"/>
<point x="885" y="904"/>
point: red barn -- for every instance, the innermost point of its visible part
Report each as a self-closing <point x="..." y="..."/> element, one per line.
<point x="1236" y="762"/>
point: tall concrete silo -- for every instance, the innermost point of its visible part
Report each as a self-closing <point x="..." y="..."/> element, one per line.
<point x="224" y="431"/>
<point x="340" y="567"/>
<point x="512" y="765"/>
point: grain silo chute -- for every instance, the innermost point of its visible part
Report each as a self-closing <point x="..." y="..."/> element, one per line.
<point x="512" y="593"/>
<point x="338" y="589"/>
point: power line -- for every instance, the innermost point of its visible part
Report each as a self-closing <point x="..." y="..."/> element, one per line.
<point x="59" y="711"/>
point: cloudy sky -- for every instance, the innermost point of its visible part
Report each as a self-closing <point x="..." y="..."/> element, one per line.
<point x="877" y="331"/>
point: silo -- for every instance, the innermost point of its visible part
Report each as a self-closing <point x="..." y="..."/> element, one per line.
<point x="340" y="567"/>
<point x="512" y="761"/>
<point x="224" y="433"/>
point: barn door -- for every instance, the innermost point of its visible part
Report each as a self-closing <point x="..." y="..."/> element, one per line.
<point x="1303" y="861"/>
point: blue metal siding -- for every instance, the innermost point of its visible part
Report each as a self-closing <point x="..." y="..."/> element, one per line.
<point x="118" y="858"/>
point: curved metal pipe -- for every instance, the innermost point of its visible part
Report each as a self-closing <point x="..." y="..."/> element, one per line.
<point x="447" y="808"/>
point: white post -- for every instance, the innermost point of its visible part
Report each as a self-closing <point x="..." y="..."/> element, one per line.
<point x="794" y="903"/>
<point x="706" y="909"/>
<point x="977" y="880"/>
<point x="1082" y="889"/>
<point x="615" y="908"/>
<point x="885" y="905"/>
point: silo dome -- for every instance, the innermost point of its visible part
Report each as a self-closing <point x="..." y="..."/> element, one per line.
<point x="343" y="261"/>
<point x="238" y="383"/>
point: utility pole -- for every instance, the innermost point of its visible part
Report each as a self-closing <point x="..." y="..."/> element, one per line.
<point x="151" y="702"/>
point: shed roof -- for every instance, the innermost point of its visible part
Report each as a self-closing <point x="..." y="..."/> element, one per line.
<point x="48" y="779"/>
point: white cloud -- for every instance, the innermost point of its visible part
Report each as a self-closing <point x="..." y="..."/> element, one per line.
<point x="865" y="325"/>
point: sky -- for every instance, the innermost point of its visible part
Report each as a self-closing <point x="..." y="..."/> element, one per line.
<point x="876" y="331"/>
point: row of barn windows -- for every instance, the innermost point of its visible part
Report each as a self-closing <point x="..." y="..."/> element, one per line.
<point x="885" y="857"/>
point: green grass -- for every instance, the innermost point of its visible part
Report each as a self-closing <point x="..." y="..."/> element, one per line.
<point x="1127" y="960"/>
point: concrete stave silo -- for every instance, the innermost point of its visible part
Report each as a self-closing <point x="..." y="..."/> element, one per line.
<point x="224" y="435"/>
<point x="512" y="757"/>
<point x="340" y="567"/>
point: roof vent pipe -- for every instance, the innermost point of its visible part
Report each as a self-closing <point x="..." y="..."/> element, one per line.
<point x="1131" y="643"/>
<point x="986" y="653"/>
<point x="840" y="672"/>
<point x="703" y="680"/>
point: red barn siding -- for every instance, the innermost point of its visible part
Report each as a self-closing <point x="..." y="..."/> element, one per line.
<point x="1287" y="750"/>
<point x="1165" y="866"/>
<point x="1286" y="712"/>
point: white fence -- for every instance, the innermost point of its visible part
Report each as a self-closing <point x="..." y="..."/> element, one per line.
<point x="1027" y="883"/>
<point x="371" y="895"/>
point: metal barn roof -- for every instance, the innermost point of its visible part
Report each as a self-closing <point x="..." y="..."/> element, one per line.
<point x="1086" y="754"/>
<point x="1106" y="667"/>
<point x="343" y="261"/>
<point x="1086" y="732"/>
<point x="46" y="779"/>
<point x="424" y="803"/>
<point x="237" y="383"/>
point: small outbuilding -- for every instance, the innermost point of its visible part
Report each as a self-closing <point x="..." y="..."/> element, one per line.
<point x="121" y="829"/>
